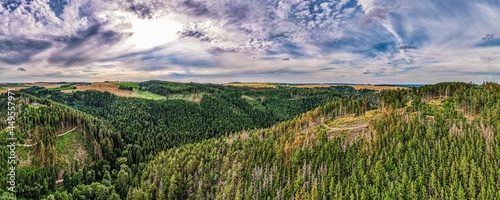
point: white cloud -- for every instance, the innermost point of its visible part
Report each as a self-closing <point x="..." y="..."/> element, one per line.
<point x="205" y="40"/>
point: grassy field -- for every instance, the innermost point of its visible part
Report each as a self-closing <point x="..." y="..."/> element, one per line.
<point x="128" y="84"/>
<point x="63" y="87"/>
<point x="254" y="102"/>
<point x="70" y="148"/>
<point x="147" y="95"/>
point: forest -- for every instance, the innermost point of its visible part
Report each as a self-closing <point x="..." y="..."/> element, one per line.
<point x="437" y="141"/>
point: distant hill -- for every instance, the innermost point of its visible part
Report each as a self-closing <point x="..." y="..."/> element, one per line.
<point x="428" y="144"/>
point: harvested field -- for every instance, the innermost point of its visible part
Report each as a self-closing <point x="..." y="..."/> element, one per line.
<point x="253" y="85"/>
<point x="104" y="87"/>
<point x="45" y="85"/>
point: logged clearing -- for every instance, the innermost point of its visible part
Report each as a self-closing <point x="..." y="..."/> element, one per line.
<point x="70" y="147"/>
<point x="193" y="97"/>
<point x="103" y="87"/>
<point x="253" y="85"/>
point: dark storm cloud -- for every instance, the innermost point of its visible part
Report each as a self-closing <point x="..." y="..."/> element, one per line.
<point x="263" y="38"/>
<point x="20" y="50"/>
<point x="200" y="35"/>
<point x="218" y="50"/>
<point x="146" y="54"/>
<point x="66" y="60"/>
<point x="83" y="41"/>
<point x="188" y="60"/>
<point x="79" y="38"/>
<point x="237" y="13"/>
<point x="153" y="68"/>
<point x="238" y="74"/>
<point x="141" y="9"/>
<point x="194" y="8"/>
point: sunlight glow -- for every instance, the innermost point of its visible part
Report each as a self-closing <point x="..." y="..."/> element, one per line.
<point x="149" y="33"/>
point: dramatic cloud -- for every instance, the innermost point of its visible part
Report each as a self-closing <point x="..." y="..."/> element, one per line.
<point x="374" y="41"/>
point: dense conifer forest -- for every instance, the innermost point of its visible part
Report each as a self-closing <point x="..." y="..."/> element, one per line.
<point x="438" y="141"/>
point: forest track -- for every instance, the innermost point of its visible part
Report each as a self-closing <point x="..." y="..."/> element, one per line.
<point x="60" y="135"/>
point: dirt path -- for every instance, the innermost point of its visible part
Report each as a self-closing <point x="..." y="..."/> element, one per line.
<point x="60" y="135"/>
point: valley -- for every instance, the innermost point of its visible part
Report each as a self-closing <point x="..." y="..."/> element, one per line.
<point x="209" y="141"/>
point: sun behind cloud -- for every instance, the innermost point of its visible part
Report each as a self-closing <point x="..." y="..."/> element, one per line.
<point x="150" y="33"/>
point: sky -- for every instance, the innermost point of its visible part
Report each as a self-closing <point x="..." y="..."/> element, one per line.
<point x="220" y="41"/>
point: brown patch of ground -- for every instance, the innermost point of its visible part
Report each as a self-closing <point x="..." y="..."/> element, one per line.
<point x="27" y="161"/>
<point x="15" y="88"/>
<point x="103" y="87"/>
<point x="351" y="127"/>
